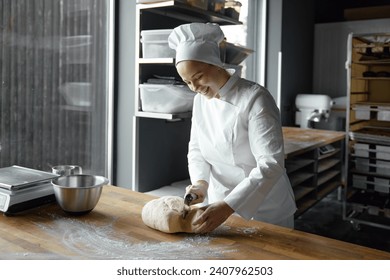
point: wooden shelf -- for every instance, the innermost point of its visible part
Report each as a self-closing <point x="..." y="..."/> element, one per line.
<point x="373" y="135"/>
<point x="299" y="178"/>
<point x="372" y="78"/>
<point x="371" y="103"/>
<point x="373" y="62"/>
<point x="304" y="205"/>
<point x="326" y="176"/>
<point x="294" y="165"/>
<point x="326" y="164"/>
<point x="328" y="188"/>
<point x="301" y="192"/>
<point x="331" y="154"/>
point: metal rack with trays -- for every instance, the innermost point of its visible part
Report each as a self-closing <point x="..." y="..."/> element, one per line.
<point x="367" y="199"/>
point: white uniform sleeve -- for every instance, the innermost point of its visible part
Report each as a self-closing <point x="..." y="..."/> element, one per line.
<point x="198" y="167"/>
<point x="266" y="143"/>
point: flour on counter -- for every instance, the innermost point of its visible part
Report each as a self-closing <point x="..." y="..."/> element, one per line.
<point x="249" y="231"/>
<point x="84" y="240"/>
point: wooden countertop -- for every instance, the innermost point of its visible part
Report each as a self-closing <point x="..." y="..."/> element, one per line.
<point x="299" y="140"/>
<point x="114" y="230"/>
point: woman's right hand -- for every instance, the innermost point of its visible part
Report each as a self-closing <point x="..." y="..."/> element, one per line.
<point x="199" y="189"/>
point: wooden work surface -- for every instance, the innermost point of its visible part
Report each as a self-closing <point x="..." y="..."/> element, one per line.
<point x="300" y="140"/>
<point x="114" y="230"/>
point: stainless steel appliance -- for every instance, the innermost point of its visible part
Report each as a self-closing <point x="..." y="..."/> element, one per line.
<point x="23" y="188"/>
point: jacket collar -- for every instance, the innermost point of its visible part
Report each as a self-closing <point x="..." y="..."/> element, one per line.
<point x="226" y="88"/>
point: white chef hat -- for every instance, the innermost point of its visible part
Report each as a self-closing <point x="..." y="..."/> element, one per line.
<point x="197" y="41"/>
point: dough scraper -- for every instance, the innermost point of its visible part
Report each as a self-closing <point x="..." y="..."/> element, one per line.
<point x="188" y="198"/>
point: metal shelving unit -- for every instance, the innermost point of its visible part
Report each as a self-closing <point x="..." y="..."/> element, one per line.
<point x="161" y="140"/>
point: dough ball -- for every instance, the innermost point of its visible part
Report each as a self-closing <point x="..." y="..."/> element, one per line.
<point x="165" y="214"/>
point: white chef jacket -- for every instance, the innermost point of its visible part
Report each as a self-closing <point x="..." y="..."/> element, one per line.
<point x="237" y="146"/>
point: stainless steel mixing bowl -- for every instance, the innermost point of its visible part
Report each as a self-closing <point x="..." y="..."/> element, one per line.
<point x="78" y="194"/>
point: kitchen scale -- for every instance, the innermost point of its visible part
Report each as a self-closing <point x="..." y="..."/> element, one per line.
<point x="23" y="188"/>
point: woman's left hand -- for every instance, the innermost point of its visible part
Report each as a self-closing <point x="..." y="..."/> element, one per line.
<point x="212" y="217"/>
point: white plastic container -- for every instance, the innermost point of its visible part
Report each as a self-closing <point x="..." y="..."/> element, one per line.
<point x="361" y="150"/>
<point x="76" y="49"/>
<point x="380" y="166"/>
<point x="168" y="99"/>
<point x="375" y="151"/>
<point x="382" y="185"/>
<point x="383" y="167"/>
<point x="77" y="93"/>
<point x="383" y="113"/>
<point x="362" y="164"/>
<point x="359" y="181"/>
<point x="155" y="44"/>
<point x="383" y="152"/>
<point x="362" y="112"/>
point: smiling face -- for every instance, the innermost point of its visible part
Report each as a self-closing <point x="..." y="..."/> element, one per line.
<point x="203" y="78"/>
